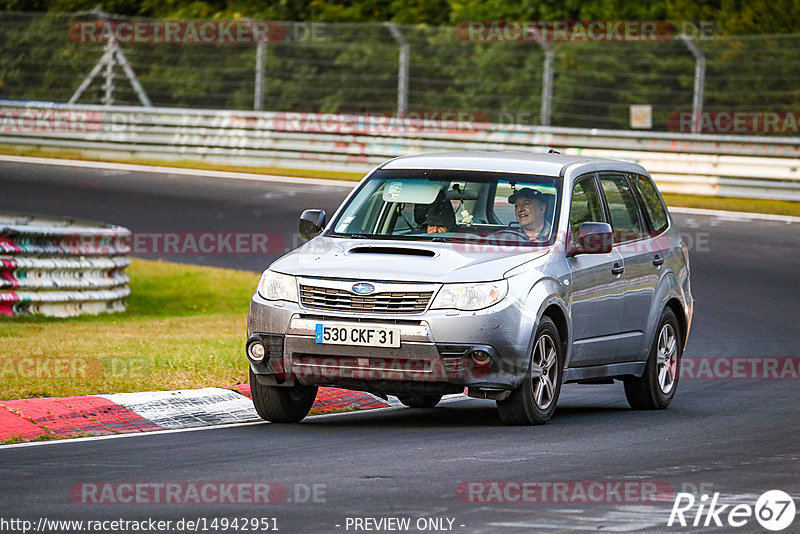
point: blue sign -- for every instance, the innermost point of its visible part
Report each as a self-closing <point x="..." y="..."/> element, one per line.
<point x="318" y="333"/>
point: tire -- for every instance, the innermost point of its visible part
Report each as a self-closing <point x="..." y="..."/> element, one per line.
<point x="281" y="404"/>
<point x="534" y="401"/>
<point x="656" y="387"/>
<point x="420" y="401"/>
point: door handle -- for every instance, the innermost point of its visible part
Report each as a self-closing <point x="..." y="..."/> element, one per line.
<point x="617" y="269"/>
<point x="658" y="260"/>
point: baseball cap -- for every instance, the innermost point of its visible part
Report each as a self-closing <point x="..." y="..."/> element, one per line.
<point x="527" y="192"/>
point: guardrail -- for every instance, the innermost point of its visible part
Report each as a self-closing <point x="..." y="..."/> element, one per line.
<point x="722" y="165"/>
<point x="61" y="267"/>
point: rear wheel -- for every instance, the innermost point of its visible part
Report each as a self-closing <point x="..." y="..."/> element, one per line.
<point x="420" y="401"/>
<point x="281" y="404"/>
<point x="656" y="387"/>
<point x="534" y="402"/>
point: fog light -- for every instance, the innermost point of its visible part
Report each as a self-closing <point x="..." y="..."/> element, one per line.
<point x="256" y="351"/>
<point x="481" y="357"/>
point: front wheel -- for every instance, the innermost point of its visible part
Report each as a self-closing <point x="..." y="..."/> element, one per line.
<point x="656" y="387"/>
<point x="420" y="401"/>
<point x="281" y="404"/>
<point x="534" y="402"/>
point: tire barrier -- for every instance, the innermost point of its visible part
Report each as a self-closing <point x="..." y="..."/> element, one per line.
<point x="61" y="267"/>
<point x="747" y="166"/>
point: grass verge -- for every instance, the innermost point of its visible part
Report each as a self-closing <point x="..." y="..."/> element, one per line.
<point x="43" y="437"/>
<point x="185" y="327"/>
<point x="754" y="205"/>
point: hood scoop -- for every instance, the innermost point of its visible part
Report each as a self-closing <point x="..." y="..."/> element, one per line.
<point x="397" y="251"/>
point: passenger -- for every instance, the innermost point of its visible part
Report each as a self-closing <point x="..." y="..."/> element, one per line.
<point x="441" y="217"/>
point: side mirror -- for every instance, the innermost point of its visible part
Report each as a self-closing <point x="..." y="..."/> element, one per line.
<point x="311" y="223"/>
<point x="593" y="238"/>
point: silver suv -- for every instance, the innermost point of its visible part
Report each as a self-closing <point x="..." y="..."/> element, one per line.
<point x="504" y="273"/>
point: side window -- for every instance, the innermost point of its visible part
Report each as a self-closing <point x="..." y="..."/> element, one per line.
<point x="585" y="206"/>
<point x="622" y="207"/>
<point x="652" y="202"/>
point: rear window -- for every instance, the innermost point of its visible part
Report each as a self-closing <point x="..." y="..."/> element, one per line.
<point x="652" y="202"/>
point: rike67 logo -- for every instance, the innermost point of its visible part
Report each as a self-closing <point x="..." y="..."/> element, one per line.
<point x="774" y="510"/>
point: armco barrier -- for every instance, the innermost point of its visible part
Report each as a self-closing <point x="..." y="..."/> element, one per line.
<point x="61" y="267"/>
<point x="723" y="165"/>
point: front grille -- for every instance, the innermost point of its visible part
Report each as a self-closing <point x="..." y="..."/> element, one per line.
<point x="326" y="298"/>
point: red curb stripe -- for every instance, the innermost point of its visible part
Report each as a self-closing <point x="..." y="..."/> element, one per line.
<point x="244" y="389"/>
<point x="331" y="399"/>
<point x="113" y="416"/>
<point x="15" y="426"/>
<point x="79" y="415"/>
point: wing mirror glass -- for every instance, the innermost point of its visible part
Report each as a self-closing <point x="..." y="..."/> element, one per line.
<point x="593" y="238"/>
<point x="311" y="223"/>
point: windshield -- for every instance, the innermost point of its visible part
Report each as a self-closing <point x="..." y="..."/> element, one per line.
<point x="452" y="205"/>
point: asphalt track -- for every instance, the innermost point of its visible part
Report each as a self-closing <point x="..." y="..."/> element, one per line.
<point x="737" y="437"/>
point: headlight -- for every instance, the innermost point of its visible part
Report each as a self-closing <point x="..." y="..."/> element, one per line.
<point x="277" y="286"/>
<point x="470" y="296"/>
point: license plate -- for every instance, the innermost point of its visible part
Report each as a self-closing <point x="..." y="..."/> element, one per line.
<point x="364" y="336"/>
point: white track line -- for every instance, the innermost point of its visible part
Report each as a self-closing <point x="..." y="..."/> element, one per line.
<point x="131" y="435"/>
<point x="740" y="215"/>
<point x="178" y="170"/>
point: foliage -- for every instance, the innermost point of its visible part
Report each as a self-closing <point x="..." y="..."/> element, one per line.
<point x="353" y="66"/>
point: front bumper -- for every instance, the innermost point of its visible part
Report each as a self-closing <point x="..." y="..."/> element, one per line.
<point x="435" y="354"/>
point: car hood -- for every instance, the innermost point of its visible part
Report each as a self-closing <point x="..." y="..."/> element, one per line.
<point x="364" y="259"/>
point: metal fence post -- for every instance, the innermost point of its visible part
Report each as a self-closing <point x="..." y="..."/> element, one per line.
<point x="547" y="82"/>
<point x="699" y="81"/>
<point x="402" y="69"/>
<point x="113" y="54"/>
<point x="108" y="84"/>
<point x="261" y="61"/>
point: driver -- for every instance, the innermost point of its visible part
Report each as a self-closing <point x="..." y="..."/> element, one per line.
<point x="530" y="206"/>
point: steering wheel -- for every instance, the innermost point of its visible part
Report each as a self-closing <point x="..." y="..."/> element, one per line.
<point x="518" y="235"/>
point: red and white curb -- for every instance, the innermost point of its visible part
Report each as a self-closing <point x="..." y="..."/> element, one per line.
<point x="124" y="413"/>
<point x="188" y="408"/>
